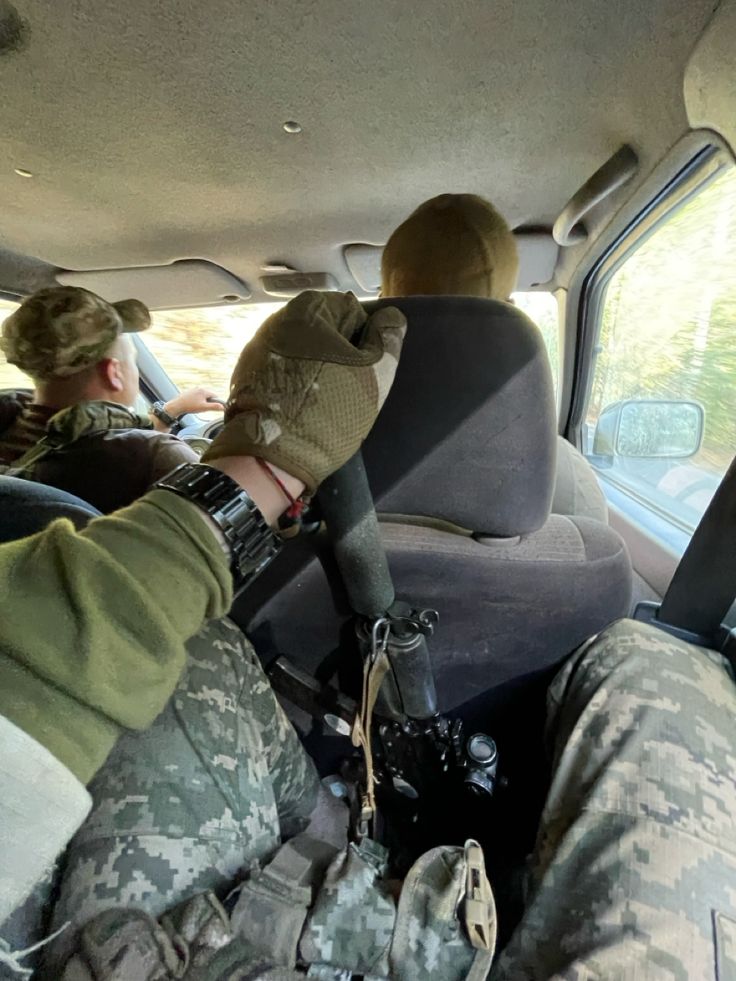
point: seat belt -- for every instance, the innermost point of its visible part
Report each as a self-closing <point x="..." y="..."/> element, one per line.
<point x="23" y="466"/>
<point x="703" y="587"/>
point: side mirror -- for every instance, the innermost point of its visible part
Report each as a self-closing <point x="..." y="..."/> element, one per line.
<point x="649" y="429"/>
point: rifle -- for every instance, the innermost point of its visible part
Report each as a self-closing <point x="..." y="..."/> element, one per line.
<point x="420" y="762"/>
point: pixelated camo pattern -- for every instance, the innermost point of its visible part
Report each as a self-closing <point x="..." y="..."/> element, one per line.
<point x="193" y="802"/>
<point x="635" y="869"/>
<point x="355" y="925"/>
<point x="352" y="921"/>
<point x="635" y="866"/>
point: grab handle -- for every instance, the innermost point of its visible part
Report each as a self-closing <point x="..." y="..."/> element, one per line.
<point x="569" y="228"/>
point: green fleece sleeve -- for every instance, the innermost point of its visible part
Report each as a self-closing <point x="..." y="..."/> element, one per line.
<point x="93" y="623"/>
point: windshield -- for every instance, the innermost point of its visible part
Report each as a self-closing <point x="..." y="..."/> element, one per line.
<point x="201" y="346"/>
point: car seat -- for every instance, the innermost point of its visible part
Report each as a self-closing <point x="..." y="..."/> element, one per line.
<point x="27" y="507"/>
<point x="461" y="463"/>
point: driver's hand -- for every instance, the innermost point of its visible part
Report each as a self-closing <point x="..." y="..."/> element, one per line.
<point x="194" y="400"/>
<point x="303" y="396"/>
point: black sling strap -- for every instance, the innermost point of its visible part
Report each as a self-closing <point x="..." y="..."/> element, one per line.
<point x="703" y="587"/>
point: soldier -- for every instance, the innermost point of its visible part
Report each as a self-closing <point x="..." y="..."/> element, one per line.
<point x="459" y="245"/>
<point x="288" y="401"/>
<point x="77" y="351"/>
<point x="635" y="865"/>
<point x="79" y="435"/>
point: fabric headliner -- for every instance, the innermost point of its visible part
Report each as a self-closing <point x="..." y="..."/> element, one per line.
<point x="154" y="130"/>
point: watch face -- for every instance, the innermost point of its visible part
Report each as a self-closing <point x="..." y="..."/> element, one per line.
<point x="159" y="411"/>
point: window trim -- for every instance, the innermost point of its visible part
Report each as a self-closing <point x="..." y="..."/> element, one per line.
<point x="700" y="171"/>
<point x="643" y="501"/>
<point x="704" y="168"/>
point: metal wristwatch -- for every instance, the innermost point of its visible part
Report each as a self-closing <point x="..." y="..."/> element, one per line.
<point x="158" y="409"/>
<point x="251" y="541"/>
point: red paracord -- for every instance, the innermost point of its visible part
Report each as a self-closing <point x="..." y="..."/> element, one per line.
<point x="296" y="505"/>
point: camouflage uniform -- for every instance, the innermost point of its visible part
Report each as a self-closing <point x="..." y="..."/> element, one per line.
<point x="634" y="873"/>
<point x="191" y="803"/>
<point x="62" y="330"/>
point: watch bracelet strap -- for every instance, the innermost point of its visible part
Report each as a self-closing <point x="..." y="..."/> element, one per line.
<point x="159" y="410"/>
<point x="251" y="540"/>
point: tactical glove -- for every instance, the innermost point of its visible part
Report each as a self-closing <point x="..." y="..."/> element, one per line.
<point x="308" y="387"/>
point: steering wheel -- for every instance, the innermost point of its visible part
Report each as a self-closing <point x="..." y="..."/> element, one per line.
<point x="198" y="443"/>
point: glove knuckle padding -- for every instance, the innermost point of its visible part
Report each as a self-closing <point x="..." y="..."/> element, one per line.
<point x="302" y="395"/>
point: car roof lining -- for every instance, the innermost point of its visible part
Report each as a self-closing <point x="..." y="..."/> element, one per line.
<point x="154" y="131"/>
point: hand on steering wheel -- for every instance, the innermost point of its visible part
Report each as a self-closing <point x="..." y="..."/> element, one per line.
<point x="194" y="400"/>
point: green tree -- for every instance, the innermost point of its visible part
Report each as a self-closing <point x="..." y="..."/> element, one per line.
<point x="668" y="325"/>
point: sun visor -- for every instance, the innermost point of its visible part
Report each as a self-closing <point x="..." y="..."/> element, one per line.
<point x="291" y="282"/>
<point x="183" y="284"/>
<point x="537" y="261"/>
<point x="364" y="263"/>
<point x="710" y="76"/>
<point x="538" y="253"/>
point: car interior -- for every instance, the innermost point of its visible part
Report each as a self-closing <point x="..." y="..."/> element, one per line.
<point x="540" y="466"/>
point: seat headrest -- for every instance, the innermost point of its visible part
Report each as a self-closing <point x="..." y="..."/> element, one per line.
<point x="27" y="507"/>
<point x="467" y="433"/>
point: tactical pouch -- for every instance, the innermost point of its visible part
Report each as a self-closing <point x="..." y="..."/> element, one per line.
<point x="300" y="914"/>
<point x="440" y="923"/>
<point x="443" y="925"/>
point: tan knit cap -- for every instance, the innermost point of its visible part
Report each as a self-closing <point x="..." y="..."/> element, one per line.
<point x="454" y="244"/>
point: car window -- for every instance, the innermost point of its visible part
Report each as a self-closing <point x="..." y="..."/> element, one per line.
<point x="200" y="346"/>
<point x="661" y="414"/>
<point x="10" y="376"/>
<point x="542" y="308"/>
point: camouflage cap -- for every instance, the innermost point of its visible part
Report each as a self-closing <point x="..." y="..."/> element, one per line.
<point x="59" y="331"/>
<point x="452" y="245"/>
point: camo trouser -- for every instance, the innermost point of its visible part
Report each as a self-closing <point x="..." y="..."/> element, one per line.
<point x="190" y="804"/>
<point x="634" y="872"/>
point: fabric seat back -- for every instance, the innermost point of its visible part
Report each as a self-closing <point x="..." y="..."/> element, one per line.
<point x="462" y="465"/>
<point x="27" y="507"/>
<point x="467" y="433"/>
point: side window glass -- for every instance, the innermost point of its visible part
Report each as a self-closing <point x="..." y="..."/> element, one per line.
<point x="661" y="416"/>
<point x="542" y="309"/>
<point x="142" y="404"/>
<point x="10" y="376"/>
